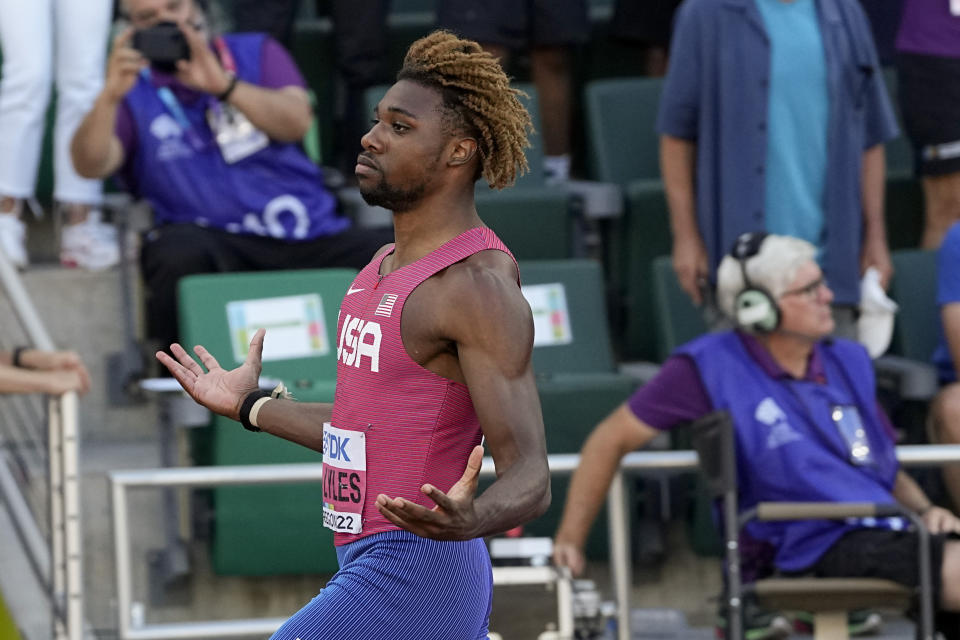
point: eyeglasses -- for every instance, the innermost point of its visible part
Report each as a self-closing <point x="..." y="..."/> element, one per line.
<point x="809" y="291"/>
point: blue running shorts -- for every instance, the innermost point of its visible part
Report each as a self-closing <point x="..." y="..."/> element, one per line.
<point x="395" y="586"/>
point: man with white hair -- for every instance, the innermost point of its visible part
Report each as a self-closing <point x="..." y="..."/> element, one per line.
<point x="782" y="379"/>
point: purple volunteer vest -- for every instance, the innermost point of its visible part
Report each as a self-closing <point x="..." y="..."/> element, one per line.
<point x="788" y="447"/>
<point x="275" y="192"/>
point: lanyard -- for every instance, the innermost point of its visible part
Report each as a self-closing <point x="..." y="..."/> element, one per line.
<point x="223" y="51"/>
<point x="173" y="105"/>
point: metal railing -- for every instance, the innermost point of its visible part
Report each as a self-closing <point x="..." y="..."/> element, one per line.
<point x="39" y="472"/>
<point x="636" y="463"/>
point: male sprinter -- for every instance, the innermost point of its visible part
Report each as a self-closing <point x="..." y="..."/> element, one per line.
<point x="434" y="353"/>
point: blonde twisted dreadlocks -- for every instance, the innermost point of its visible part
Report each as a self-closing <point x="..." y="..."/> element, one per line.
<point x="478" y="98"/>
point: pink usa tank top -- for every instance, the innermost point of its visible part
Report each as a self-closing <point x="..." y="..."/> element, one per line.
<point x="395" y="425"/>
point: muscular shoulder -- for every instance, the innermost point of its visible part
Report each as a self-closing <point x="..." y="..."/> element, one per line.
<point x="486" y="271"/>
<point x="483" y="284"/>
<point x="482" y="304"/>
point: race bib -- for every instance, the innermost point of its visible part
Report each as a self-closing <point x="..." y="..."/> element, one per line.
<point x="344" y="478"/>
<point x="955" y="7"/>
<point x="235" y="134"/>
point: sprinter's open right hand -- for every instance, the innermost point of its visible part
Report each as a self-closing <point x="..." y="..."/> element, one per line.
<point x="217" y="389"/>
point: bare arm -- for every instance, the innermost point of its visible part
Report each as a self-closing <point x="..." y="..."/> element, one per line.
<point x="223" y="392"/>
<point x="55" y="382"/>
<point x="677" y="162"/>
<point x="95" y="150"/>
<point x="909" y="494"/>
<point x="618" y="434"/>
<point x="875" y="251"/>
<point x="299" y="422"/>
<point x="40" y="371"/>
<point x="486" y="316"/>
<point x="283" y="114"/>
<point x="495" y="355"/>
<point x="950" y="316"/>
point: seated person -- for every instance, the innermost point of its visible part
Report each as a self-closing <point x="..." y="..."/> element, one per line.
<point x="781" y="377"/>
<point x="945" y="410"/>
<point x="213" y="143"/>
<point x="28" y="370"/>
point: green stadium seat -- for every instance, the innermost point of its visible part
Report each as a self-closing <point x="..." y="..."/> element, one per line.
<point x="576" y="372"/>
<point x="621" y="118"/>
<point x="618" y="110"/>
<point x="537" y="223"/>
<point x="906" y="377"/>
<point x="642" y="234"/>
<point x="299" y="310"/>
<point x="678" y="321"/>
<point x="914" y="288"/>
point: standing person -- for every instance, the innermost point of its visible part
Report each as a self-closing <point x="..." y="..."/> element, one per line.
<point x="782" y="379"/>
<point x="414" y="399"/>
<point x="928" y="81"/>
<point x="547" y="29"/>
<point x="754" y="91"/>
<point x="47" y="41"/>
<point x="213" y="144"/>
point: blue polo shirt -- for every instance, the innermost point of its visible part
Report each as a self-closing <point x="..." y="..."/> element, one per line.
<point x="717" y="94"/>
<point x="948" y="292"/>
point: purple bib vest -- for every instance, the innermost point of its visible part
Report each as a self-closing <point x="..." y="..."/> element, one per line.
<point x="276" y="192"/>
<point x="788" y="446"/>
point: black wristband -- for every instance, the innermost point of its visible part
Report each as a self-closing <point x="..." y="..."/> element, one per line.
<point x="247" y="405"/>
<point x="230" y="87"/>
<point x="17" y="353"/>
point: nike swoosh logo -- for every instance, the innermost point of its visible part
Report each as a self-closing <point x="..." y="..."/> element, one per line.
<point x="351" y="290"/>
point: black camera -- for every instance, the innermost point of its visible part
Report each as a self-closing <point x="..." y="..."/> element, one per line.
<point x="163" y="44"/>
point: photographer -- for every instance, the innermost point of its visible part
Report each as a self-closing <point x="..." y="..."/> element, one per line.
<point x="207" y="129"/>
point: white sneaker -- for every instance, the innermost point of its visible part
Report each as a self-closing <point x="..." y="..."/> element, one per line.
<point x="91" y="244"/>
<point x="13" y="237"/>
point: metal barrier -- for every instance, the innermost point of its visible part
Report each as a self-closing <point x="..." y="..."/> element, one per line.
<point x="121" y="481"/>
<point x="635" y="463"/>
<point x="57" y="565"/>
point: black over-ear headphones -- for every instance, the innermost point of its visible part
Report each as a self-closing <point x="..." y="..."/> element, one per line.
<point x="754" y="309"/>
